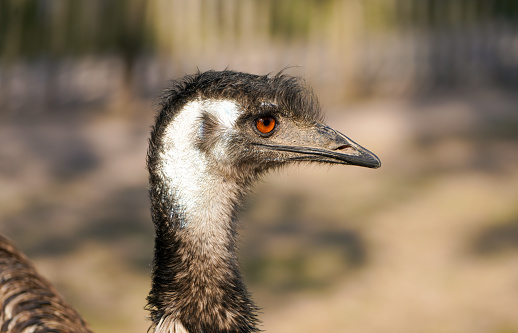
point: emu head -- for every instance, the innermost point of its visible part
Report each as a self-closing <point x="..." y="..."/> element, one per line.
<point x="239" y="125"/>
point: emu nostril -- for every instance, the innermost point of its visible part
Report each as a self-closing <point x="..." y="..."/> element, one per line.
<point x="347" y="149"/>
<point x="342" y="147"/>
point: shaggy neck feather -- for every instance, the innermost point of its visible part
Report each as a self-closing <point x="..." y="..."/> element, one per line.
<point x="197" y="285"/>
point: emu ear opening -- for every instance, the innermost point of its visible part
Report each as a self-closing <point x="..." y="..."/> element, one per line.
<point x="209" y="132"/>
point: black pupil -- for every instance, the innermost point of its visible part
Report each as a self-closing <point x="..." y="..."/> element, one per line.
<point x="266" y="121"/>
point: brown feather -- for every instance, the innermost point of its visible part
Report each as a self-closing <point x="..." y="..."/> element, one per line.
<point x="28" y="302"/>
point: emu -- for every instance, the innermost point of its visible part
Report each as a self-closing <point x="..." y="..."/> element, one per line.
<point x="216" y="133"/>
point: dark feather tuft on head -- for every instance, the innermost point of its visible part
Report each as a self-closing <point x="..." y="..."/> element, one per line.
<point x="290" y="93"/>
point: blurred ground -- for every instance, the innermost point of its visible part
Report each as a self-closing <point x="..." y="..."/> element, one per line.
<point x="427" y="243"/>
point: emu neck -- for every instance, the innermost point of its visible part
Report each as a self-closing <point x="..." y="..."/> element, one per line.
<point x="197" y="285"/>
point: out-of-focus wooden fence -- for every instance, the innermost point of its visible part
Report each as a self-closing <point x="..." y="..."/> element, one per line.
<point x="53" y="53"/>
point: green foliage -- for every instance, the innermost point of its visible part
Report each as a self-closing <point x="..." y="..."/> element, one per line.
<point x="69" y="28"/>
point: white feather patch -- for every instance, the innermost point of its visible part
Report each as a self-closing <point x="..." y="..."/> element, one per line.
<point x="169" y="325"/>
<point x="203" y="195"/>
<point x="225" y="111"/>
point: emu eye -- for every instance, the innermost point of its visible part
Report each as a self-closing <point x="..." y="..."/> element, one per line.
<point x="265" y="124"/>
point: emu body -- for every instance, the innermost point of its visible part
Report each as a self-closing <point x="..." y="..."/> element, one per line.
<point x="215" y="134"/>
<point x="29" y="303"/>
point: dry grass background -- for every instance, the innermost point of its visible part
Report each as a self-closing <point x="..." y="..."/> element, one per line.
<point x="427" y="244"/>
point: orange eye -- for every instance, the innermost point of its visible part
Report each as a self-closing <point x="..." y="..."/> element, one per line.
<point x="265" y="124"/>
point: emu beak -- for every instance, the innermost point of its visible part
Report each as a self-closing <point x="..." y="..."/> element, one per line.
<point x="321" y="143"/>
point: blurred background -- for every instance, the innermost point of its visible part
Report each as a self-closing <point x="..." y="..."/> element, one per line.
<point x="427" y="243"/>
